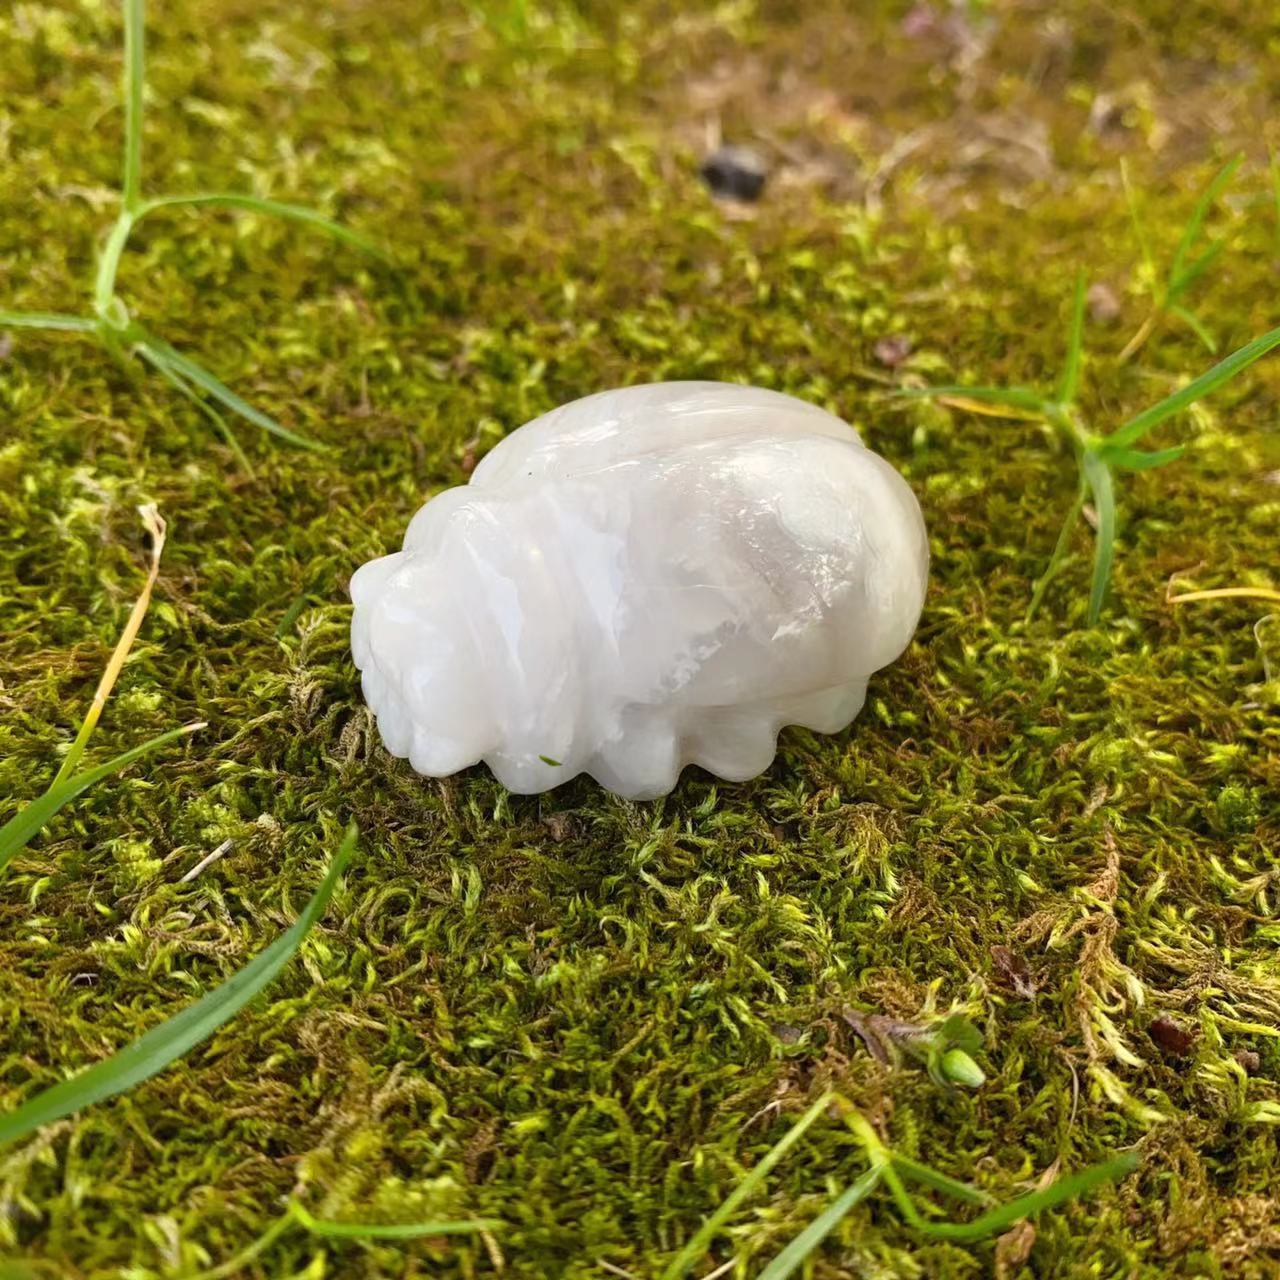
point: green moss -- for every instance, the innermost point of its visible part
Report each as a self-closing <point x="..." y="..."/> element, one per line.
<point x="584" y="1016"/>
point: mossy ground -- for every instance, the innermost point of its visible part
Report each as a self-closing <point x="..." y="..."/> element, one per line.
<point x="581" y="1015"/>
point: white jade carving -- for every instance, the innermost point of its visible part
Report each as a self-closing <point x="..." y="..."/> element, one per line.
<point x="646" y="578"/>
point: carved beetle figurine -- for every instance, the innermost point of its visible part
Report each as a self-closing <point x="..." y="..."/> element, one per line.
<point x="639" y="580"/>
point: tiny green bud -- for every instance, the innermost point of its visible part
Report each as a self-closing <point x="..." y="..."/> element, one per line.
<point x="959" y="1068"/>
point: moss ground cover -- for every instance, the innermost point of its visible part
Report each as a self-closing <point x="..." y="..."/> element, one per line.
<point x="585" y="1018"/>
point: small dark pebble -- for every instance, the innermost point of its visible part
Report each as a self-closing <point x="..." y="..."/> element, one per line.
<point x="1175" y="1039"/>
<point x="1249" y="1060"/>
<point x="787" y="1033"/>
<point x="893" y="350"/>
<point x="735" y="173"/>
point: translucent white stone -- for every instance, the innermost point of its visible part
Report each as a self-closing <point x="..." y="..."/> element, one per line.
<point x="643" y="579"/>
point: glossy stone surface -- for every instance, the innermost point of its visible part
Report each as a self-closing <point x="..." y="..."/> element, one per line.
<point x="646" y="578"/>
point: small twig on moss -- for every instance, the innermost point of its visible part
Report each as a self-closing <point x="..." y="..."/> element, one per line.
<point x="1227" y="593"/>
<point x="22" y="828"/>
<point x="207" y="861"/>
<point x="154" y="523"/>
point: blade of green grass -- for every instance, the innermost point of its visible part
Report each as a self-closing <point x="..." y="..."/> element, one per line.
<point x="1070" y="382"/>
<point x="930" y="1177"/>
<point x="1196" y="325"/>
<point x="45" y="320"/>
<point x="1141" y="460"/>
<point x="1058" y="558"/>
<point x="389" y="1231"/>
<point x="1014" y="397"/>
<point x="1144" y="246"/>
<point x="291" y="615"/>
<point x="235" y="1266"/>
<point x="997" y="1220"/>
<point x="221" y="425"/>
<point x="296" y="1216"/>
<point x="108" y="307"/>
<point x="1098" y="476"/>
<point x="1137" y="427"/>
<point x="275" y="208"/>
<point x="158" y="353"/>
<point x="176" y="1036"/>
<point x="817" y="1231"/>
<point x="18" y="832"/>
<point x="1195" y="271"/>
<point x="1192" y="230"/>
<point x="697" y="1245"/>
<point x="134" y="84"/>
<point x="1275" y="191"/>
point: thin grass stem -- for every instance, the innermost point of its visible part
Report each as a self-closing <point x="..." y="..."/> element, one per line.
<point x="1057" y="559"/>
<point x="1136" y="343"/>
<point x="1179" y="278"/>
<point x="235" y="1266"/>
<point x="1139" y="231"/>
<point x="1137" y="427"/>
<point x="1070" y="381"/>
<point x="902" y="1197"/>
<point x="274" y="208"/>
<point x="1057" y="1192"/>
<point x="159" y="353"/>
<point x="1098" y="476"/>
<point x="794" y="1255"/>
<point x="45" y="320"/>
<point x="221" y="425"/>
<point x="939" y="1181"/>
<point x="134" y="86"/>
<point x="1227" y="593"/>
<point x="1201" y="211"/>
<point x="390" y="1231"/>
<point x="1275" y="192"/>
<point x="697" y="1245"/>
<point x="1196" y="325"/>
<point x="296" y="1216"/>
<point x="104" y="285"/>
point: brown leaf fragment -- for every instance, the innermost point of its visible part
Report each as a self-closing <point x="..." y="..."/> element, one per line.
<point x="1014" y="1248"/>
<point x="1013" y="973"/>
<point x="1172" y="1037"/>
<point x="893" y="350"/>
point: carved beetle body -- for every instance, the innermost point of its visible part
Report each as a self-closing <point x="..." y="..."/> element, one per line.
<point x="642" y="579"/>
